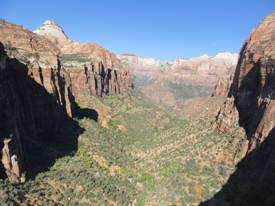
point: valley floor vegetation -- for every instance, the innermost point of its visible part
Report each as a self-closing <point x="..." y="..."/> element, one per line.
<point x="137" y="153"/>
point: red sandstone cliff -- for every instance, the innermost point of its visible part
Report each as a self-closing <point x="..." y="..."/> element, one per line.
<point x="253" y="89"/>
<point x="223" y="85"/>
<point x="202" y="72"/>
<point x="37" y="93"/>
<point x="93" y="69"/>
<point x="34" y="93"/>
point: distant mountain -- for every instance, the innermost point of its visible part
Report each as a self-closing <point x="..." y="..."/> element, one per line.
<point x="202" y="73"/>
<point x="202" y="69"/>
<point x="149" y="67"/>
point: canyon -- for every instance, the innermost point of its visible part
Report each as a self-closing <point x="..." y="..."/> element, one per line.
<point x="136" y="151"/>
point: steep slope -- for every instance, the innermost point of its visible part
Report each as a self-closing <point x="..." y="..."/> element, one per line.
<point x="35" y="94"/>
<point x="252" y="106"/>
<point x="93" y="70"/>
<point x="222" y="88"/>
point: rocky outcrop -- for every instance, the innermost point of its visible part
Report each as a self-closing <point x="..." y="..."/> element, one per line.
<point x="93" y="69"/>
<point x="52" y="31"/>
<point x="93" y="78"/>
<point x="223" y="85"/>
<point x="253" y="89"/>
<point x="227" y="117"/>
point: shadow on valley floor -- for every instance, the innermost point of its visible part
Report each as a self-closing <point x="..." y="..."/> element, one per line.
<point x="56" y="144"/>
<point x="85" y="113"/>
<point x="33" y="121"/>
<point x="250" y="186"/>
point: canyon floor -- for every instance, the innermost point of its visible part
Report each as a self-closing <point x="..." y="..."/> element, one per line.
<point x="126" y="149"/>
<point x="173" y="143"/>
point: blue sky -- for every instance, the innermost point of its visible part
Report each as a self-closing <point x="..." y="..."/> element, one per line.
<point x="159" y="29"/>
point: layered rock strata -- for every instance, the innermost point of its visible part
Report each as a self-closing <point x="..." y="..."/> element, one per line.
<point x="198" y="71"/>
<point x="94" y="78"/>
<point x="37" y="93"/>
<point x="93" y="69"/>
<point x="203" y="71"/>
<point x="222" y="88"/>
<point x="253" y="90"/>
<point x="34" y="94"/>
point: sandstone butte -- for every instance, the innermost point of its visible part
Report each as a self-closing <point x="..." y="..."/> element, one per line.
<point x="198" y="71"/>
<point x="37" y="93"/>
<point x="251" y="89"/>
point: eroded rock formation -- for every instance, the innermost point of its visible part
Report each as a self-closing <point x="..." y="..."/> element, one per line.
<point x="93" y="69"/>
<point x="253" y="90"/>
<point x="223" y="85"/>
<point x="37" y="93"/>
<point x="33" y="99"/>
<point x="94" y="78"/>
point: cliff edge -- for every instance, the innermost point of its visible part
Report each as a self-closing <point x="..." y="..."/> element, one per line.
<point x="252" y="92"/>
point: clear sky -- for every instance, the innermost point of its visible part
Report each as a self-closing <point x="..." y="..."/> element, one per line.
<point x="161" y="29"/>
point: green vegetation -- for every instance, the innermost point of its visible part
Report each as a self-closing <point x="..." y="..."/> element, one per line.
<point x="142" y="153"/>
<point x="142" y="82"/>
<point x="185" y="68"/>
<point x="176" y="92"/>
<point x="79" y="57"/>
<point x="13" y="52"/>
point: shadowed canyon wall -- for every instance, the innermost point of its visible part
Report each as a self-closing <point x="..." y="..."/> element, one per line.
<point x="251" y="92"/>
<point x="37" y="92"/>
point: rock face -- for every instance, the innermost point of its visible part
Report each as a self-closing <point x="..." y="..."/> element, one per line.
<point x="199" y="71"/>
<point x="93" y="78"/>
<point x="93" y="70"/>
<point x="34" y="94"/>
<point x="223" y="85"/>
<point x="51" y="31"/>
<point x="253" y="90"/>
<point x="37" y="93"/>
